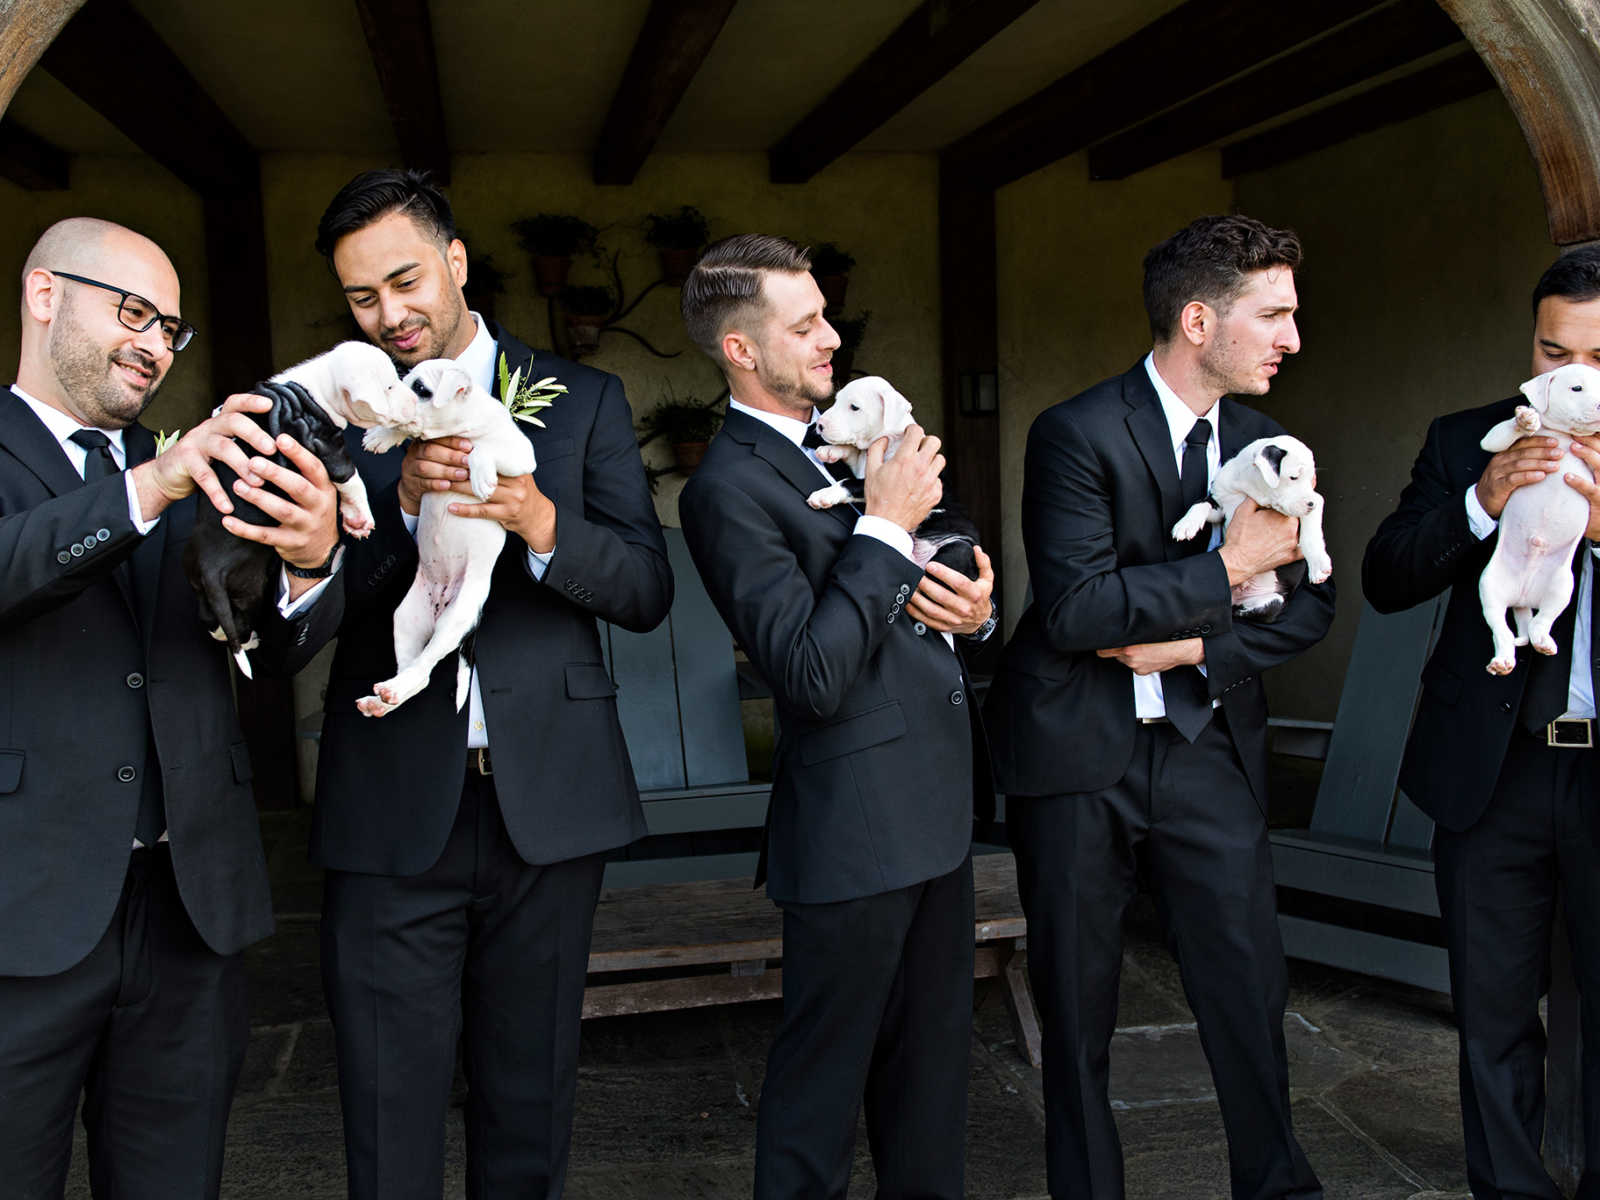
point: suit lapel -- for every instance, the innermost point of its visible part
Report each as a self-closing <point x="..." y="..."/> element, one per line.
<point x="1153" y="436"/>
<point x="145" y="563"/>
<point x="786" y="458"/>
<point x="35" y="447"/>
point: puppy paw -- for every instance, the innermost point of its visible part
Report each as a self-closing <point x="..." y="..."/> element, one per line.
<point x="1192" y="522"/>
<point x="371" y="706"/>
<point x="356" y="524"/>
<point x="1527" y="419"/>
<point x="218" y="634"/>
<point x="1319" y="568"/>
<point x="381" y="438"/>
<point x="1544" y="645"/>
<point x="827" y="497"/>
<point x="1502" y="666"/>
<point x="832" y="454"/>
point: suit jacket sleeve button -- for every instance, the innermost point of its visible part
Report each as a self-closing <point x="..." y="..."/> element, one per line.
<point x="77" y="549"/>
<point x="127" y="774"/>
<point x="103" y="534"/>
<point x="64" y="557"/>
<point x="135" y="680"/>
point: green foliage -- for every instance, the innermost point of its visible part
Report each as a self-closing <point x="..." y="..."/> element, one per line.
<point x="828" y="259"/>
<point x="677" y="421"/>
<point x="685" y="229"/>
<point x="524" y="398"/>
<point x="555" y="235"/>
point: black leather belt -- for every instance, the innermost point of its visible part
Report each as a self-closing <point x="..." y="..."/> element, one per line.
<point x="478" y="762"/>
<point x="1570" y="733"/>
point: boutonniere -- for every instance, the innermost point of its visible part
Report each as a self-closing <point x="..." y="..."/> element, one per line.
<point x="164" y="439"/>
<point x="523" y="399"/>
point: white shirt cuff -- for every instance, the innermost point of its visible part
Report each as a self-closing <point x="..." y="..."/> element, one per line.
<point x="885" y="531"/>
<point x="538" y="563"/>
<point x="1480" y="522"/>
<point x="135" y="514"/>
<point x="411" y="522"/>
<point x="287" y="607"/>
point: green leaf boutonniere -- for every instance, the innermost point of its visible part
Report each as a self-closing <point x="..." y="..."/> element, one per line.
<point x="523" y="399"/>
<point x="164" y="439"/>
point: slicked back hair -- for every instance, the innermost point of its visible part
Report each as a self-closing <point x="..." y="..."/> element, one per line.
<point x="1210" y="260"/>
<point x="1574" y="276"/>
<point x="725" y="286"/>
<point x="373" y="195"/>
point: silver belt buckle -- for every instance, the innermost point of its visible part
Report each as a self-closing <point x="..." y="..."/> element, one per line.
<point x="1565" y="733"/>
<point x="478" y="760"/>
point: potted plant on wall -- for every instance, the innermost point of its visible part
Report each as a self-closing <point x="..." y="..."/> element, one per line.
<point x="678" y="238"/>
<point x="686" y="425"/>
<point x="850" y="330"/>
<point x="587" y="310"/>
<point x="830" y="266"/>
<point x="552" y="240"/>
<point x="485" y="281"/>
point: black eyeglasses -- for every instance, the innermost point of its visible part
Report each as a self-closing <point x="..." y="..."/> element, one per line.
<point x="138" y="314"/>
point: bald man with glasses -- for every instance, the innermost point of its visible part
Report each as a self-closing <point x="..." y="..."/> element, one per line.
<point x="131" y="869"/>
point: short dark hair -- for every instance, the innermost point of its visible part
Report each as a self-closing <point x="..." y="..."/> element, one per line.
<point x="726" y="283"/>
<point x="1574" y="276"/>
<point x="373" y="195"/>
<point x="1210" y="260"/>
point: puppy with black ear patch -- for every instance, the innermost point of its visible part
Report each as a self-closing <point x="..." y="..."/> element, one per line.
<point x="865" y="410"/>
<point x="353" y="384"/>
<point x="1277" y="473"/>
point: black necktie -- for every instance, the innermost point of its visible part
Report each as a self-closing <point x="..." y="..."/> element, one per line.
<point x="812" y="441"/>
<point x="1183" y="689"/>
<point x="1550" y="675"/>
<point x="99" y="462"/>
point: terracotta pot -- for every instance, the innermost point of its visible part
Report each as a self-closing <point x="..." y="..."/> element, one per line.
<point x="676" y="265"/>
<point x="833" y="289"/>
<point x="687" y="455"/>
<point x="550" y="272"/>
<point x="585" y="332"/>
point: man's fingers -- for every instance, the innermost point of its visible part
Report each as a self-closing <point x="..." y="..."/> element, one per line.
<point x="985" y="567"/>
<point x="274" y="505"/>
<point x="309" y="466"/>
<point x="238" y="425"/>
<point x="245" y="402"/>
<point x="875" y="453"/>
<point x="1585" y="486"/>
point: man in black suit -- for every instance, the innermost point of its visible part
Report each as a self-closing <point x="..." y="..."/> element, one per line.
<point x="1504" y="764"/>
<point x="461" y="888"/>
<point x="870" y="823"/>
<point x="131" y="870"/>
<point x="1128" y="717"/>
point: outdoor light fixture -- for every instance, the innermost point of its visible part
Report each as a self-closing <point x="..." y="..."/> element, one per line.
<point x="979" y="393"/>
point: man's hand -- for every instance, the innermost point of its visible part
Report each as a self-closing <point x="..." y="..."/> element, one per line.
<point x="961" y="605"/>
<point x="186" y="464"/>
<point x="1146" y="658"/>
<point x="519" y="505"/>
<point x="1258" y="539"/>
<point x="432" y="467"/>
<point x="905" y="489"/>
<point x="1527" y="461"/>
<point x="1588" y="449"/>
<point x="308" y="521"/>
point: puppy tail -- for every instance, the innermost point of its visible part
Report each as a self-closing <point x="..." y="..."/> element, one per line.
<point x="463" y="680"/>
<point x="243" y="660"/>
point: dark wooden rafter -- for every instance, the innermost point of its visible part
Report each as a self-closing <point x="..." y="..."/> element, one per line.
<point x="931" y="42"/>
<point x="400" y="37"/>
<point x="29" y="161"/>
<point x="673" y="43"/>
<point x="1382" y="40"/>
<point x="1197" y="45"/>
<point x="1456" y="78"/>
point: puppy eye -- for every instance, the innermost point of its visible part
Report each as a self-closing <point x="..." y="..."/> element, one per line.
<point x="855" y="408"/>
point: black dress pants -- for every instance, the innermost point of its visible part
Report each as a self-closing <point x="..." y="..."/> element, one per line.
<point x="877" y="1000"/>
<point x="1185" y="814"/>
<point x="1497" y="883"/>
<point x="151" y="1028"/>
<point x="481" y="948"/>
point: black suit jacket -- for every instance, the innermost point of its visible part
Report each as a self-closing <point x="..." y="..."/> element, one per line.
<point x="90" y="672"/>
<point x="1099" y="499"/>
<point x="873" y="781"/>
<point x="388" y="788"/>
<point x="1467" y="716"/>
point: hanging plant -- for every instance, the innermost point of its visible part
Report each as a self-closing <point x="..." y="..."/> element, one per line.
<point x="830" y="266"/>
<point x="552" y="241"/>
<point x="678" y="238"/>
<point x="587" y="310"/>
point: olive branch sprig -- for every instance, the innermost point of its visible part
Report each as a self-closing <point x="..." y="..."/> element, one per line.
<point x="164" y="439"/>
<point x="524" y="398"/>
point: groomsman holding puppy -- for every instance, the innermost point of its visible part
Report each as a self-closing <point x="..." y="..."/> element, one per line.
<point x="1128" y="718"/>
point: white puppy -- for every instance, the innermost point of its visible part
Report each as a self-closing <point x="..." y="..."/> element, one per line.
<point x="456" y="555"/>
<point x="1277" y="473"/>
<point x="1530" y="571"/>
<point x="865" y="410"/>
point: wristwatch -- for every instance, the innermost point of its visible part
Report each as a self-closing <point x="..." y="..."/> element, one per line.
<point x="321" y="571"/>
<point x="982" y="632"/>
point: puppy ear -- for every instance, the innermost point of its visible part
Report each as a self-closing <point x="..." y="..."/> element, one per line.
<point x="1269" y="460"/>
<point x="1537" y="390"/>
<point x="896" y="411"/>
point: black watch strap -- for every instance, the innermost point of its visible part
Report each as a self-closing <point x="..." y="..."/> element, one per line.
<point x="317" y="572"/>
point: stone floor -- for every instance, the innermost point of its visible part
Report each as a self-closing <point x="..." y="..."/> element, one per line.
<point x="666" y="1102"/>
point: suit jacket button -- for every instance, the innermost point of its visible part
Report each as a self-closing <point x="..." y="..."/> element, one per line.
<point x="890" y="618"/>
<point x="135" y="680"/>
<point x="1205" y="629"/>
<point x="103" y="534"/>
<point x="89" y="541"/>
<point x="905" y="590"/>
<point x="919" y="629"/>
<point x="1505" y="706"/>
<point x="956" y="697"/>
<point x="63" y="557"/>
<point x="127" y="774"/>
<point x="77" y="549"/>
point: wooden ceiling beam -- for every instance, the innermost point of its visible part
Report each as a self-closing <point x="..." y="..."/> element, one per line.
<point x="1197" y="45"/>
<point x="1443" y="83"/>
<point x="400" y="37"/>
<point x="1382" y="40"/>
<point x="936" y="38"/>
<point x="116" y="63"/>
<point x="672" y="45"/>
<point x="30" y="162"/>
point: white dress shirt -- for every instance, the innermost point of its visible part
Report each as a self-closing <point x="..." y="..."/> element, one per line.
<point x="478" y="360"/>
<point x="1580" y="684"/>
<point x="1148" y="700"/>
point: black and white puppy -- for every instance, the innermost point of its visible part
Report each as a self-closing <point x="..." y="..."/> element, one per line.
<point x="865" y="410"/>
<point x="353" y="384"/>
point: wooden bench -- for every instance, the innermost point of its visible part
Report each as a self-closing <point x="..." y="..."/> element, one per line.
<point x="689" y="945"/>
